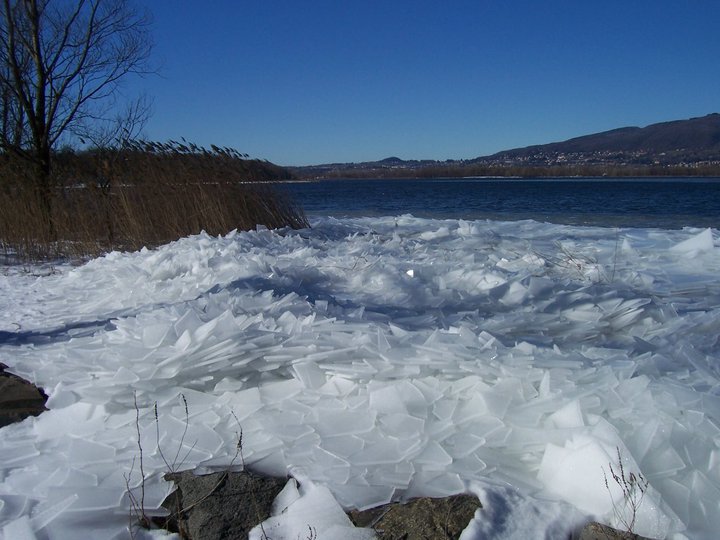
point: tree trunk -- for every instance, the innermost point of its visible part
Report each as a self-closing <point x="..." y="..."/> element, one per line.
<point x="106" y="185"/>
<point x="43" y="179"/>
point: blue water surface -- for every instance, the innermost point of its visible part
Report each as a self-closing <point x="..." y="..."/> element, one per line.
<point x="636" y="202"/>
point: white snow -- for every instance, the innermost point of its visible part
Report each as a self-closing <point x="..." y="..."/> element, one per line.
<point x="375" y="359"/>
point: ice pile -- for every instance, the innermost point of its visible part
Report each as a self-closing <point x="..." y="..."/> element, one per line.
<point x="379" y="359"/>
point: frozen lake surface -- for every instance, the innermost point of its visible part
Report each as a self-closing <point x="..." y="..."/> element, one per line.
<point x="380" y="358"/>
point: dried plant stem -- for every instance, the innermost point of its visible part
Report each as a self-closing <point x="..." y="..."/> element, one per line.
<point x="137" y="506"/>
<point x="633" y="487"/>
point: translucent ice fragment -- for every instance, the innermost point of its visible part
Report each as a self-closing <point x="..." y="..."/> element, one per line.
<point x="12" y="506"/>
<point x="434" y="457"/>
<point x="178" y="438"/>
<point x="445" y="485"/>
<point x="228" y="384"/>
<point x="79" y="419"/>
<point x="428" y="387"/>
<point x="334" y="422"/>
<point x="387" y="400"/>
<point x="19" y="529"/>
<point x="644" y="437"/>
<point x="663" y="462"/>
<point x="337" y="386"/>
<point x="697" y="244"/>
<point x="575" y="472"/>
<point x="243" y="403"/>
<point x="82" y="500"/>
<point x="399" y="475"/>
<point x="79" y="478"/>
<point x="335" y="475"/>
<point x="61" y="397"/>
<point x="442" y="232"/>
<point x="499" y="398"/>
<point x="155" y="493"/>
<point x="124" y="376"/>
<point x="470" y="409"/>
<point x="316" y="511"/>
<point x="677" y="495"/>
<point x="343" y="446"/>
<point x="44" y="515"/>
<point x="515" y="294"/>
<point x="434" y="484"/>
<point x="276" y="392"/>
<point x="362" y="497"/>
<point x="18" y="455"/>
<point x="309" y="374"/>
<point x="468" y="466"/>
<point x="493" y="430"/>
<point x="188" y="322"/>
<point x="84" y="451"/>
<point x="183" y="342"/>
<point x="462" y="444"/>
<point x="272" y="464"/>
<point x="154" y="335"/>
<point x="398" y="332"/>
<point x="568" y="416"/>
<point x="288" y="495"/>
<point x="414" y="399"/>
<point x="443" y="409"/>
<point x="402" y="426"/>
<point x="382" y="342"/>
<point x="380" y="452"/>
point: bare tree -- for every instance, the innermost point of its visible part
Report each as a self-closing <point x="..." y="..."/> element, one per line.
<point x="61" y="64"/>
<point x="12" y="118"/>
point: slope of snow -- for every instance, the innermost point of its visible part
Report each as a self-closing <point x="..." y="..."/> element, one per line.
<point x="377" y="359"/>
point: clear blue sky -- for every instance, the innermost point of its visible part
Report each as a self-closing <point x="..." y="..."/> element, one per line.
<point x="307" y="82"/>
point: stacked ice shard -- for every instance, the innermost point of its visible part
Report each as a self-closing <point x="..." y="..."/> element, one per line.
<point x="381" y="358"/>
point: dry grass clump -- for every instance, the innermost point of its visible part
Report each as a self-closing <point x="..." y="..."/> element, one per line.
<point x="145" y="194"/>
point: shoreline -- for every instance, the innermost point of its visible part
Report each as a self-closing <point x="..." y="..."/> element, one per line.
<point x="651" y="178"/>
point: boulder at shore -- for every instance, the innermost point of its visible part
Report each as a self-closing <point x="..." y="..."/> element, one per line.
<point x="18" y="398"/>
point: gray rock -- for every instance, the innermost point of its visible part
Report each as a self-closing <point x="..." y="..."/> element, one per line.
<point x="420" y="519"/>
<point x="220" y="506"/>
<point x="226" y="506"/>
<point x="18" y="398"/>
<point x="598" y="531"/>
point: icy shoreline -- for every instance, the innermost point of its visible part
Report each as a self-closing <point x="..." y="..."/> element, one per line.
<point x="382" y="358"/>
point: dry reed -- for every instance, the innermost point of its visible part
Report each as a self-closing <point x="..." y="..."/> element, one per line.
<point x="146" y="194"/>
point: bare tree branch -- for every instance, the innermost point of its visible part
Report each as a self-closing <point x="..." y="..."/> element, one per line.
<point x="61" y="65"/>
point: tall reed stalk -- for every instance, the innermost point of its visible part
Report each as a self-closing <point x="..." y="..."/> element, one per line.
<point x="145" y="194"/>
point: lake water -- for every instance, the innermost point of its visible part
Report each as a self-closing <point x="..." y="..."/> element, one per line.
<point x="642" y="202"/>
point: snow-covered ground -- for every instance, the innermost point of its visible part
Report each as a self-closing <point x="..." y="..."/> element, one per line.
<point x="378" y="358"/>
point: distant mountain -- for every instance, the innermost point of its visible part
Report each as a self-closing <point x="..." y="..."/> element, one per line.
<point x="391" y="161"/>
<point x="682" y="147"/>
<point x="383" y="167"/>
<point x="694" y="139"/>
